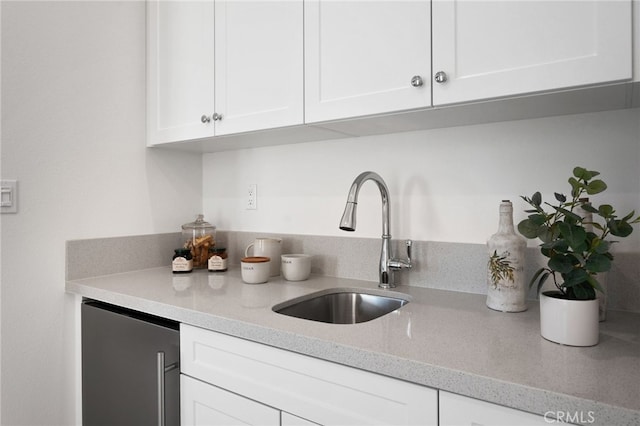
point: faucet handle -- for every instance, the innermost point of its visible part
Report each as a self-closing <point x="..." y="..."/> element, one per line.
<point x="397" y="264"/>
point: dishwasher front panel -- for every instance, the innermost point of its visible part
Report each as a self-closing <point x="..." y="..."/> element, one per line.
<point x="120" y="367"/>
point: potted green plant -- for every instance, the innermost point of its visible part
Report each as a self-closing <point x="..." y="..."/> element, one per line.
<point x="578" y="249"/>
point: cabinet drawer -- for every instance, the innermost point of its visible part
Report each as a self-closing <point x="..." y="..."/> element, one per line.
<point x="203" y="404"/>
<point x="322" y="391"/>
<point x="458" y="410"/>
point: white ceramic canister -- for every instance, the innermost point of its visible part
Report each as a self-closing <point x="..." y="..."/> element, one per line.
<point x="296" y="267"/>
<point x="255" y="269"/>
<point x="267" y="247"/>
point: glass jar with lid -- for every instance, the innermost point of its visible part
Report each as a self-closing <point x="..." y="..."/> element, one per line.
<point x="199" y="236"/>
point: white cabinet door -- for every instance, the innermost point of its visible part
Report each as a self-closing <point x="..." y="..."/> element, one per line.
<point x="492" y="49"/>
<point x="238" y="61"/>
<point x="457" y="410"/>
<point x="206" y="405"/>
<point x="259" y="65"/>
<point x="361" y="57"/>
<point x="180" y="70"/>
<point x="316" y="390"/>
<point x="287" y="419"/>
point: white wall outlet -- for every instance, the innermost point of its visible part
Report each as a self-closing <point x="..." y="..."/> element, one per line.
<point x="9" y="196"/>
<point x="252" y="197"/>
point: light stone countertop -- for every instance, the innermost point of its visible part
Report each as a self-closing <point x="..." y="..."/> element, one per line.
<point x="442" y="339"/>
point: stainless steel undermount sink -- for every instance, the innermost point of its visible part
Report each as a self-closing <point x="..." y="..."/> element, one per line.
<point x="342" y="305"/>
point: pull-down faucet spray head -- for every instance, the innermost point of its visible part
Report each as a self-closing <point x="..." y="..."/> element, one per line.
<point x="348" y="221"/>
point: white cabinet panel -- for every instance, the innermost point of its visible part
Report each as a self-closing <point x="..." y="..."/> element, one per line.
<point x="317" y="390"/>
<point x="206" y="405"/>
<point x="500" y="48"/>
<point x="360" y="57"/>
<point x="180" y="70"/>
<point x="259" y="65"/>
<point x="457" y="410"/>
<point x="287" y="419"/>
<point x="238" y="60"/>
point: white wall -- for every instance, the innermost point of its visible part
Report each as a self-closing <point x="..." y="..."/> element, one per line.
<point x="73" y="135"/>
<point x="445" y="184"/>
<point x="73" y="111"/>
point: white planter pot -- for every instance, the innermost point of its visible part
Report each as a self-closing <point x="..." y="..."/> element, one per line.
<point x="569" y="322"/>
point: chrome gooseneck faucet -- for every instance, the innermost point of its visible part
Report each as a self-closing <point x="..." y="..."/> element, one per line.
<point x="388" y="265"/>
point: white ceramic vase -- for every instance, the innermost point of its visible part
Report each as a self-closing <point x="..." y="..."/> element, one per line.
<point x="569" y="322"/>
<point x="506" y="285"/>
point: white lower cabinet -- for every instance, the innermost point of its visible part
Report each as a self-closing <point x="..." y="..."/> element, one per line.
<point x="204" y="404"/>
<point x="313" y="390"/>
<point x="458" y="410"/>
<point x="288" y="419"/>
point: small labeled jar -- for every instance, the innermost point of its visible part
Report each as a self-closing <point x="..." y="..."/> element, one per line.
<point x="182" y="262"/>
<point x="199" y="236"/>
<point x="217" y="259"/>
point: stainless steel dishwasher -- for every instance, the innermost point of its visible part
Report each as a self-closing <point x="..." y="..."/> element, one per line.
<point x="130" y="367"/>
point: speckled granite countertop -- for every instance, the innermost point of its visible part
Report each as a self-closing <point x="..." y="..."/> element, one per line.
<point x="445" y="340"/>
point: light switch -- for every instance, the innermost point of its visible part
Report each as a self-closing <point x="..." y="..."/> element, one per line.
<point x="8" y="196"/>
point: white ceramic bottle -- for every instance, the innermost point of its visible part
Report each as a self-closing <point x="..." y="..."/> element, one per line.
<point x="506" y="286"/>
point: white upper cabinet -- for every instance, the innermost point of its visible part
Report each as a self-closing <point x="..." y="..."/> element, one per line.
<point x="358" y="67"/>
<point x="216" y="68"/>
<point x="361" y="57"/>
<point x="491" y="49"/>
<point x="180" y="70"/>
<point x="259" y="65"/>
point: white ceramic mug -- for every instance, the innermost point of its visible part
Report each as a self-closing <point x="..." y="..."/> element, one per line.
<point x="296" y="267"/>
<point x="267" y="247"/>
<point x="255" y="269"/>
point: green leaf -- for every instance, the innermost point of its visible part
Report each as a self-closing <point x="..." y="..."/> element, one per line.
<point x="620" y="228"/>
<point x="595" y="187"/>
<point x="580" y="173"/>
<point x="538" y="219"/>
<point x="560" y="263"/>
<point x="542" y="280"/>
<point x="629" y="216"/>
<point x="560" y="197"/>
<point x="574" y="235"/>
<point x="589" y="208"/>
<point x="598" y="263"/>
<point x="535" y="276"/>
<point x="543" y="274"/>
<point x="595" y="283"/>
<point x="536" y="199"/>
<point x="528" y="229"/>
<point x="575" y="277"/>
<point x="578" y="259"/>
<point x="546" y="234"/>
<point x="568" y="214"/>
<point x="576" y="187"/>
<point x="605" y="211"/>
<point x="600" y="246"/>
<point x="559" y="246"/>
<point x="583" y="292"/>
